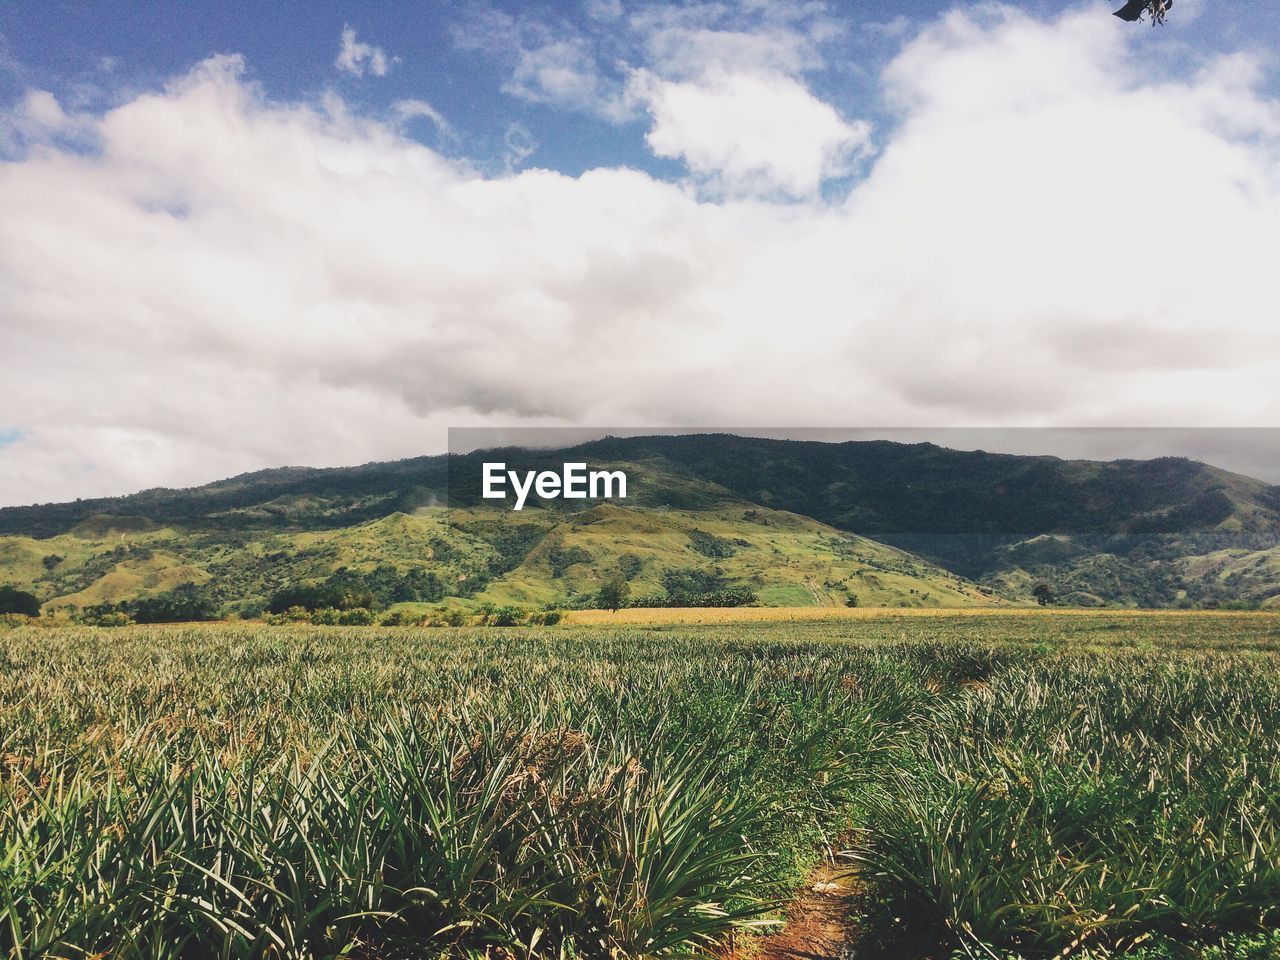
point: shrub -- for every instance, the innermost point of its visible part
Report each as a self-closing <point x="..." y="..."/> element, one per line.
<point x="709" y="545"/>
<point x="292" y="615"/>
<point x="448" y="618"/>
<point x="13" y="600"/>
<point x="546" y="618"/>
<point x="185" y="603"/>
<point x="105" y="616"/>
<point x="560" y="558"/>
<point x="681" y="584"/>
<point x="506" y="617"/>
<point x="727" y="597"/>
<point x="630" y="565"/>
<point x="401" y="618"/>
<point x="319" y="596"/>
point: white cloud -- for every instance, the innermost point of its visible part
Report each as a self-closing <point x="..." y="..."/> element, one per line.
<point x="41" y="108"/>
<point x="518" y="146"/>
<point x="406" y="111"/>
<point x="1054" y="232"/>
<point x="682" y="42"/>
<point x="688" y="53"/>
<point x="750" y="133"/>
<point x="556" y="65"/>
<point x="37" y="117"/>
<point x="583" y="68"/>
<point x="358" y="58"/>
<point x="565" y="73"/>
<point x="605" y="10"/>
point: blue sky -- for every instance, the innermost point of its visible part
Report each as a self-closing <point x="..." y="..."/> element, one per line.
<point x="451" y="55"/>
<point x="459" y="56"/>
<point x="244" y="235"/>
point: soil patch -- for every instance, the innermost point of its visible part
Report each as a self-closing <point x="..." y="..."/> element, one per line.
<point x="821" y="923"/>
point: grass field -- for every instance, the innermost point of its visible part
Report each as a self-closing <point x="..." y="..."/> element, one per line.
<point x="1005" y="784"/>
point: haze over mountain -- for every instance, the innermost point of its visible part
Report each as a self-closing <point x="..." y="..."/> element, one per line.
<point x="796" y="522"/>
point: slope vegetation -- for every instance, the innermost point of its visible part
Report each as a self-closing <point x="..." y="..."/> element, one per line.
<point x="795" y="522"/>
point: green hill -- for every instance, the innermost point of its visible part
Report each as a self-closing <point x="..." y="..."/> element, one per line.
<point x="784" y="558"/>
<point x="477" y="555"/>
<point x="794" y="522"/>
<point x="1152" y="533"/>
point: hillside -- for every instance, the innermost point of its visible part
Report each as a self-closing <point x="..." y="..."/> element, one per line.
<point x="796" y="522"/>
<point x="1162" y="532"/>
<point x="543" y="558"/>
<point x="784" y="558"/>
<point x="884" y="488"/>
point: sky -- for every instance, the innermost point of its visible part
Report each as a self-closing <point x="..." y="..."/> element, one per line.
<point x="242" y="235"/>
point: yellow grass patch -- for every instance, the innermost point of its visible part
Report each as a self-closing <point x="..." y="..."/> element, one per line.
<point x="659" y="616"/>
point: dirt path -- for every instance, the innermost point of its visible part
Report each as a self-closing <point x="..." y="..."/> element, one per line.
<point x="823" y="924"/>
<point x="820" y="924"/>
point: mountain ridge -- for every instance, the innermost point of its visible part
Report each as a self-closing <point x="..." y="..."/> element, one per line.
<point x="1157" y="532"/>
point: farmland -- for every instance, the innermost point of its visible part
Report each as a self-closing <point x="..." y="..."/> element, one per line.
<point x="1030" y="784"/>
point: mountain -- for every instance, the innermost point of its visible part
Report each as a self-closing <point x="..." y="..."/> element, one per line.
<point x="796" y="522"/>
<point x="885" y="488"/>
<point x="1161" y="532"/>
<point x="381" y="530"/>
<point x="287" y="497"/>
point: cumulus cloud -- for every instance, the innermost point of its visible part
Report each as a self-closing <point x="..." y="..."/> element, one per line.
<point x="748" y="133"/>
<point x="358" y="58"/>
<point x="1050" y="233"/>
<point x="39" y="117"/>
<point x="720" y="87"/>
<point x="41" y="108"/>
<point x="586" y="67"/>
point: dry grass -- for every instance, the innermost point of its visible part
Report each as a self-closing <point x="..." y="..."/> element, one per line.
<point x="680" y="616"/>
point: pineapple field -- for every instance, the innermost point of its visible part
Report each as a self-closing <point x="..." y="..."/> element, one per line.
<point x="996" y="785"/>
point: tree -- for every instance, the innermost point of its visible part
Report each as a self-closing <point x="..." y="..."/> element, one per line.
<point x="185" y="603"/>
<point x="1137" y="9"/>
<point x="851" y="600"/>
<point x="13" y="600"/>
<point x="340" y="596"/>
<point x="506" y="617"/>
<point x="1044" y="594"/>
<point x="630" y="565"/>
<point x="613" y="594"/>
